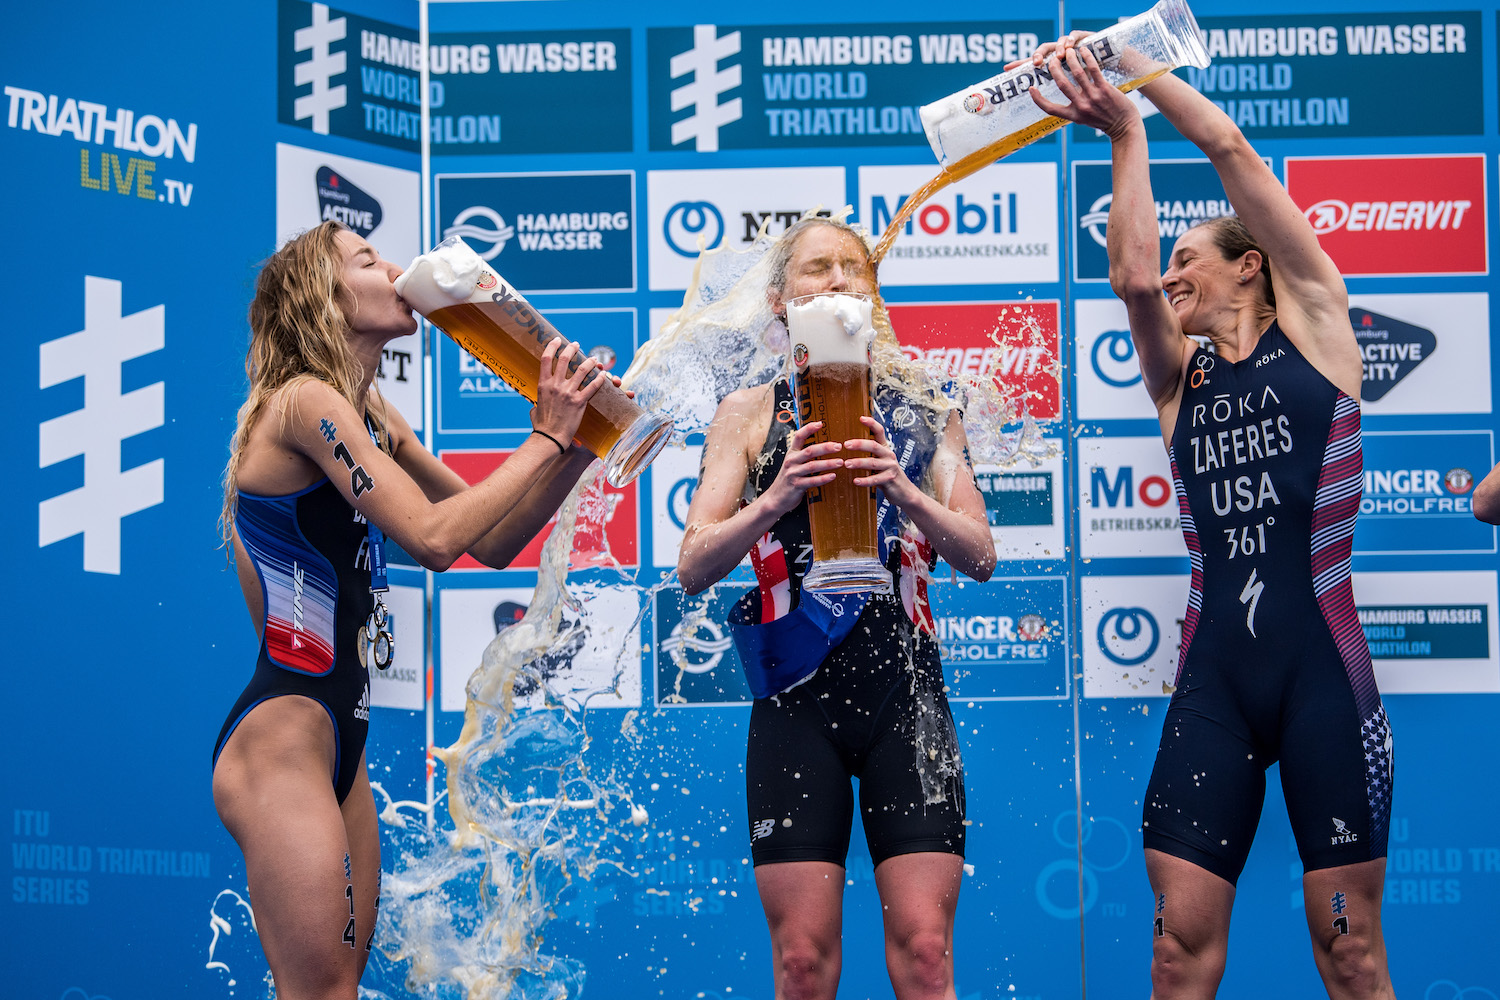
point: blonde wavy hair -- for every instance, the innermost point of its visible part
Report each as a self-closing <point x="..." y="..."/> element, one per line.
<point x="298" y="331"/>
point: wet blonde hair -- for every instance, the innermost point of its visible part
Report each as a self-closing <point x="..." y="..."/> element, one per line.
<point x="890" y="362"/>
<point x="298" y="331"/>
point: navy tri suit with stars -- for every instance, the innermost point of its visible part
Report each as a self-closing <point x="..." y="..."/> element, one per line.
<point x="1273" y="666"/>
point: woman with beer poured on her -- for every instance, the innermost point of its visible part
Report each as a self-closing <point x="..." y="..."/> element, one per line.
<point x="1263" y="432"/>
<point x="321" y="472"/>
<point x="846" y="685"/>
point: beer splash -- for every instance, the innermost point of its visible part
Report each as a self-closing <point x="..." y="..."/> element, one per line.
<point x="465" y="906"/>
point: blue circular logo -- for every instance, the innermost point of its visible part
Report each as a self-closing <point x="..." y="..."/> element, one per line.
<point x="1113" y="358"/>
<point x="1132" y="637"/>
<point x="679" y="498"/>
<point x="687" y="221"/>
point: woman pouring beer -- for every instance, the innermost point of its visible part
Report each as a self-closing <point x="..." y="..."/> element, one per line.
<point x="321" y="471"/>
<point x="1273" y="664"/>
<point x="846" y="685"/>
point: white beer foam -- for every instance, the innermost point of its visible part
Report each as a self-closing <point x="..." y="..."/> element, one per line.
<point x="835" y="328"/>
<point x="443" y="276"/>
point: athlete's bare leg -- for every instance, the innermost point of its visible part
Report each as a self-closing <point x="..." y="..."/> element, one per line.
<point x="1343" y="916"/>
<point x="1190" y="928"/>
<point x="804" y="904"/>
<point x="918" y="898"/>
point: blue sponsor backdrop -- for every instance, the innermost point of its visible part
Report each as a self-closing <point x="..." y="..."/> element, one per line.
<point x="145" y="151"/>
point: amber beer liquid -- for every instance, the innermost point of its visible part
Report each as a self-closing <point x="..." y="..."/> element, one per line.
<point x="974" y="127"/>
<point x="831" y="337"/>
<point x="492" y="321"/>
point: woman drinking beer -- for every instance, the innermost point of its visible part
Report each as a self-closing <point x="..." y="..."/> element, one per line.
<point x="846" y="687"/>
<point x="1273" y="663"/>
<point x="320" y="471"/>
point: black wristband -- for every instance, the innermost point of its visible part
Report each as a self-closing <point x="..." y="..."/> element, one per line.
<point x="560" y="449"/>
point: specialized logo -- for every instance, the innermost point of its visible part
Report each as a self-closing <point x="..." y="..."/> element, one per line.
<point x="1391" y="350"/>
<point x="320" y="68"/>
<point x="497" y="234"/>
<point x="695" y="652"/>
<point x="1392" y="215"/>
<point x="703" y="91"/>
<point x="341" y="200"/>
<point x="1128" y="636"/>
<point x="1113" y="359"/>
<point x="689" y="222"/>
<point x="1250" y="597"/>
<point x="108" y="416"/>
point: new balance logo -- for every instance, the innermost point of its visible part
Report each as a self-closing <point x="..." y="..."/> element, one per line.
<point x="318" y="70"/>
<point x="702" y="94"/>
<point x="109" y="416"/>
<point x="762" y="828"/>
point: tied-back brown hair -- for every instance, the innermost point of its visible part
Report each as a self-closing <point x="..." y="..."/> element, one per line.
<point x="1234" y="240"/>
<point x="298" y="331"/>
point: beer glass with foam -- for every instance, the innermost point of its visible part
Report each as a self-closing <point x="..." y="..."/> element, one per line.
<point x="458" y="294"/>
<point x="831" y="338"/>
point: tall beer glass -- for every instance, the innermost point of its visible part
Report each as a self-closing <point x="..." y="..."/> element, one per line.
<point x="458" y="294"/>
<point x="831" y="338"/>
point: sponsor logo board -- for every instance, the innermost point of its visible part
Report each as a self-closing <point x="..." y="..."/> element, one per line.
<point x="553" y="91"/>
<point x="601" y="652"/>
<point x="1107" y="371"/>
<point x="1187" y="192"/>
<point x="674" y="479"/>
<point x="489" y="92"/>
<point x="1418" y="493"/>
<point x="1005" y="640"/>
<point x="1023" y="504"/>
<point x="1395" y="215"/>
<point x="607" y="527"/>
<point x="998" y="226"/>
<point x="1127" y="506"/>
<point x="1423" y="353"/>
<point x="552" y="232"/>
<point x="802" y="86"/>
<point x="1016" y="343"/>
<point x="380" y="204"/>
<point x="1322" y="75"/>
<point x="401" y="684"/>
<point x="473" y="399"/>
<point x="696" y="662"/>
<point x="1132" y="627"/>
<point x="1430" y="633"/>
<point x="727" y="208"/>
<point x="123" y="149"/>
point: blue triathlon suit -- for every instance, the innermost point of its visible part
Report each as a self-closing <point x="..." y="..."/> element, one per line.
<point x="1274" y="666"/>
<point x="874" y="710"/>
<point x="310" y="551"/>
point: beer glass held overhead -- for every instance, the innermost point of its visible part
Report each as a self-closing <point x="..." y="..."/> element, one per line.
<point x="452" y="287"/>
<point x="831" y="338"/>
